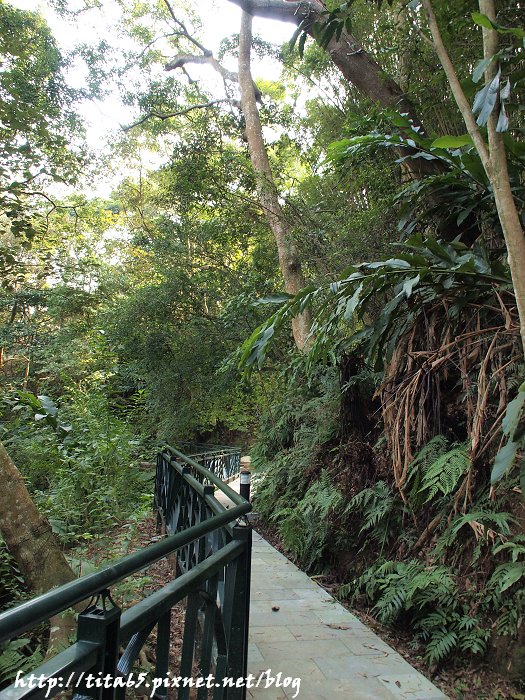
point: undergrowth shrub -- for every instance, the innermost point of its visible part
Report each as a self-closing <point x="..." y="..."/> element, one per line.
<point x="377" y="510"/>
<point x="18" y="655"/>
<point x="436" y="470"/>
<point x="293" y="491"/>
<point x="80" y="461"/>
<point x="425" y="598"/>
<point x="11" y="582"/>
<point x="305" y="528"/>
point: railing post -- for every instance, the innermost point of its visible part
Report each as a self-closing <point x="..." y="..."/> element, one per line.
<point x="240" y="614"/>
<point x="100" y="623"/>
<point x="245" y="478"/>
<point x="157" y="506"/>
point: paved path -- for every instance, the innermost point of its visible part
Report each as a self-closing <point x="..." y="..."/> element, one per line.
<point x="298" y="629"/>
<point x="313" y="637"/>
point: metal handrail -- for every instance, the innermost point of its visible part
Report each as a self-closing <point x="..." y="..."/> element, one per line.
<point x="203" y="448"/>
<point x="211" y="477"/>
<point x="31" y="613"/>
<point x="223" y="461"/>
<point x="213" y="546"/>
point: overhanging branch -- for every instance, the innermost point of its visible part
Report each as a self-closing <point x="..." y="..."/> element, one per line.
<point x="182" y="60"/>
<point x="170" y="115"/>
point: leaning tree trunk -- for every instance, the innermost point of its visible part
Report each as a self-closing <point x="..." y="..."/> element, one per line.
<point x="289" y="260"/>
<point x="31" y="542"/>
<point x="493" y="157"/>
<point x="357" y="66"/>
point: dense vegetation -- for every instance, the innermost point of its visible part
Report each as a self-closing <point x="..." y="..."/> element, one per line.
<point x="389" y="449"/>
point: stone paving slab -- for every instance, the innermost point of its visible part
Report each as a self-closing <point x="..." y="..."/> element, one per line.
<point x="313" y="637"/>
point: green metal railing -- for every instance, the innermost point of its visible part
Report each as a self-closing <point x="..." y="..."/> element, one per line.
<point x="213" y="550"/>
<point x="223" y="461"/>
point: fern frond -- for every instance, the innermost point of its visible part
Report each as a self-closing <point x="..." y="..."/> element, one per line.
<point x="443" y="641"/>
<point x="442" y="476"/>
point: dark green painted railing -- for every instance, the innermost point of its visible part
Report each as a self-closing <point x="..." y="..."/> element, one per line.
<point x="213" y="550"/>
<point x="223" y="461"/>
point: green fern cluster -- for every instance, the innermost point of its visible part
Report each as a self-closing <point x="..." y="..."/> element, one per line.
<point x="449" y="630"/>
<point x="305" y="527"/>
<point x="505" y="589"/>
<point x="486" y="523"/>
<point x="286" y="458"/>
<point x="16" y="656"/>
<point x="11" y="582"/>
<point x="377" y="509"/>
<point x="425" y="597"/>
<point x="437" y="469"/>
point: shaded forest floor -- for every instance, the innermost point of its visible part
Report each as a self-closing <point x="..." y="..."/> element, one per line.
<point x="122" y="540"/>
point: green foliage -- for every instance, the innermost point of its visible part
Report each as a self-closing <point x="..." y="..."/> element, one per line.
<point x="16" y="656"/>
<point x="514" y="430"/>
<point x="424" y="272"/>
<point x="378" y="510"/>
<point x="427" y="598"/>
<point x="36" y="122"/>
<point x="292" y="491"/>
<point x="437" y="469"/>
<point x="11" y="582"/>
<point x="85" y="478"/>
<point x="305" y="527"/>
<point x="483" y="526"/>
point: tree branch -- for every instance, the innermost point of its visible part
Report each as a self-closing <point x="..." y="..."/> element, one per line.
<point x="181" y="60"/>
<point x="179" y="113"/>
<point x="182" y="28"/>
<point x="276" y="9"/>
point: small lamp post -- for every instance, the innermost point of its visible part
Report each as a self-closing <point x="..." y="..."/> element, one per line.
<point x="244" y="477"/>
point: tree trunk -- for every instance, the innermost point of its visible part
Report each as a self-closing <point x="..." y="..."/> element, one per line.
<point x="493" y="157"/>
<point x="31" y="542"/>
<point x="498" y="174"/>
<point x="289" y="261"/>
<point x="357" y="66"/>
<point x="360" y="69"/>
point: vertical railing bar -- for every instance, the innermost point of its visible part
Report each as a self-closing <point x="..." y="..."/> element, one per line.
<point x="163" y="652"/>
<point x="238" y="627"/>
<point x="188" y="642"/>
<point x="208" y="634"/>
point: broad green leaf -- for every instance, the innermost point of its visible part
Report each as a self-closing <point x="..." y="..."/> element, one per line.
<point x="512" y="577"/>
<point x="452" y="141"/>
<point x="503" y="461"/>
<point x="480" y="68"/>
<point x="301" y="44"/>
<point x="505" y="91"/>
<point x="503" y="120"/>
<point x="513" y="414"/>
<point x="48" y="405"/>
<point x="295" y="36"/>
<point x="352" y="303"/>
<point x="409" y="285"/>
<point x="482" y="20"/>
<point x="273" y="299"/>
<point x="487" y="100"/>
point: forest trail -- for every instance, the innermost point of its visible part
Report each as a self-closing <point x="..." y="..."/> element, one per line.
<point x="299" y="630"/>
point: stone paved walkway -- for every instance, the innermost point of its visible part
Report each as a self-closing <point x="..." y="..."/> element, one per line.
<point x="298" y="629"/>
<point x="313" y="637"/>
